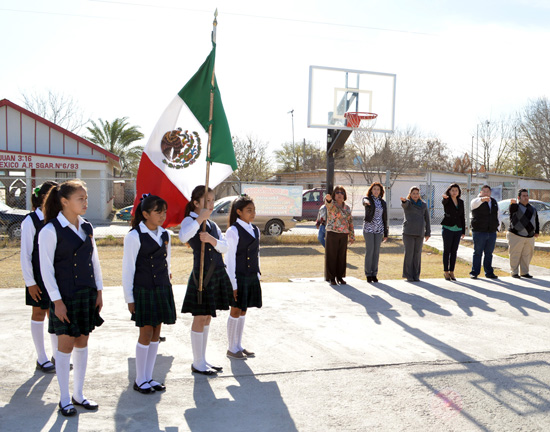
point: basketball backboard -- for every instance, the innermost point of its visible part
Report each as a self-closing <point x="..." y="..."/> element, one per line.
<point x="334" y="91"/>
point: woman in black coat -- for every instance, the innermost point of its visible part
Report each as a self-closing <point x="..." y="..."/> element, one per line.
<point x="454" y="228"/>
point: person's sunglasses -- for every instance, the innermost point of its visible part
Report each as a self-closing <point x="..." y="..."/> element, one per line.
<point x="339" y="192"/>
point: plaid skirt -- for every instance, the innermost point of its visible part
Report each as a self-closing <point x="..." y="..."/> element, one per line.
<point x="249" y="292"/>
<point x="82" y="313"/>
<point x="43" y="303"/>
<point x="215" y="296"/>
<point x="154" y="306"/>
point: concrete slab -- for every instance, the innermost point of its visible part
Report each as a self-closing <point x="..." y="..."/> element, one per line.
<point x="392" y="356"/>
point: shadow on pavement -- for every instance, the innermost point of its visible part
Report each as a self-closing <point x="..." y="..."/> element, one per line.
<point x="517" y="302"/>
<point x="29" y="398"/>
<point x="525" y="389"/>
<point x="256" y="405"/>
<point x="136" y="411"/>
<point x="464" y="301"/>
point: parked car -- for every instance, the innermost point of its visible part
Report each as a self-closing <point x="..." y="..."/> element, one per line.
<point x="270" y="225"/>
<point x="312" y="200"/>
<point x="125" y="213"/>
<point x="543" y="210"/>
<point x="10" y="220"/>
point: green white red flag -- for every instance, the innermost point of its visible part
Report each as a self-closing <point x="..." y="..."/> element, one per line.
<point x="174" y="160"/>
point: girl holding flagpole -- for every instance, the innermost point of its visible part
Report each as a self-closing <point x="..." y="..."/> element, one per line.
<point x="217" y="289"/>
<point x="243" y="267"/>
<point x="69" y="265"/>
<point x="147" y="287"/>
<point x="35" y="293"/>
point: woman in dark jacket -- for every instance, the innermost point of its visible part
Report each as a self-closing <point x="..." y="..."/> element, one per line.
<point x="416" y="230"/>
<point x="375" y="228"/>
<point x="454" y="228"/>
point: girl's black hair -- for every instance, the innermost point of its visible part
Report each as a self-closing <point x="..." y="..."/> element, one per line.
<point x="448" y="191"/>
<point x="196" y="195"/>
<point x="52" y="203"/>
<point x="149" y="203"/>
<point x="39" y="193"/>
<point x="239" y="204"/>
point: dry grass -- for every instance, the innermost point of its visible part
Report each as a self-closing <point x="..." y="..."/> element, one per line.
<point x="279" y="263"/>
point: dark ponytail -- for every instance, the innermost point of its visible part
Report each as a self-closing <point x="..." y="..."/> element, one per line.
<point x="52" y="203"/>
<point x="39" y="193"/>
<point x="196" y="195"/>
<point x="239" y="204"/>
<point x="148" y="203"/>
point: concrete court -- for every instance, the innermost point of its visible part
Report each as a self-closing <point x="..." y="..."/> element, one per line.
<point x="393" y="356"/>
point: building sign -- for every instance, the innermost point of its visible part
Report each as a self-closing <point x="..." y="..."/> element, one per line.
<point x="24" y="161"/>
<point x="275" y="200"/>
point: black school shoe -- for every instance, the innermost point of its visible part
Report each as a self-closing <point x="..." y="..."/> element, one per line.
<point x="157" y="387"/>
<point x="46" y="369"/>
<point x="492" y="276"/>
<point x="86" y="404"/>
<point x="68" y="410"/>
<point x="528" y="276"/>
<point x="516" y="276"/>
<point x="143" y="390"/>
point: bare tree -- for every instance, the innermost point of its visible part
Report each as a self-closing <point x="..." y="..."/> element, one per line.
<point x="535" y="131"/>
<point x="56" y="107"/>
<point x="377" y="153"/>
<point x="496" y="140"/>
<point x="434" y="155"/>
<point x="462" y="164"/>
<point x="252" y="160"/>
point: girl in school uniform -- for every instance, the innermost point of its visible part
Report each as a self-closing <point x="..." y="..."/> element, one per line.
<point x="35" y="292"/>
<point x="217" y="289"/>
<point x="70" y="268"/>
<point x="147" y="287"/>
<point x="243" y="268"/>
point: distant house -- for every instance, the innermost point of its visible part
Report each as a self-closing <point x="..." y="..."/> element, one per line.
<point x="33" y="149"/>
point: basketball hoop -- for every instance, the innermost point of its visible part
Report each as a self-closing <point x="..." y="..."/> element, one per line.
<point x="354" y="119"/>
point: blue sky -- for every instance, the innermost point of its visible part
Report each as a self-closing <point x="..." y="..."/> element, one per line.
<point x="457" y="63"/>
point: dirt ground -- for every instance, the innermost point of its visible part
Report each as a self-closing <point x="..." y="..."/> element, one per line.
<point x="279" y="263"/>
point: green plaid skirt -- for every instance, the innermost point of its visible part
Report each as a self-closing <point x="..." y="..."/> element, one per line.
<point x="154" y="306"/>
<point x="215" y="296"/>
<point x="249" y="292"/>
<point x="82" y="312"/>
<point x="43" y="303"/>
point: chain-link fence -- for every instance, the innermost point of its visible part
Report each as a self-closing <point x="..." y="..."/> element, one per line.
<point x="110" y="200"/>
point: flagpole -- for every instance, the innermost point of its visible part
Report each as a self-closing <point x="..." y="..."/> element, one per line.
<point x="208" y="163"/>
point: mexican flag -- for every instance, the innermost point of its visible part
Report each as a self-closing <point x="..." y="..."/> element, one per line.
<point x="174" y="160"/>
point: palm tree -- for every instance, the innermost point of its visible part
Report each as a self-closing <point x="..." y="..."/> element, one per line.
<point x="119" y="138"/>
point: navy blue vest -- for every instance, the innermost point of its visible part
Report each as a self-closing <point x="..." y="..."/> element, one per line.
<point x="35" y="260"/>
<point x="211" y="255"/>
<point x="248" y="249"/>
<point x="151" y="265"/>
<point x="485" y="219"/>
<point x="73" y="265"/>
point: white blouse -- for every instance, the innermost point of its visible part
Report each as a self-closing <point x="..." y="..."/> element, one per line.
<point x="190" y="226"/>
<point x="47" y="243"/>
<point x="232" y="237"/>
<point x="27" y="245"/>
<point x="132" y="244"/>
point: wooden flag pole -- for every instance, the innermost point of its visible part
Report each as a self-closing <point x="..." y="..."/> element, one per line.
<point x="206" y="181"/>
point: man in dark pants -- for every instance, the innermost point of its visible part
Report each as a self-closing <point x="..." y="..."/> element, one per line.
<point x="485" y="224"/>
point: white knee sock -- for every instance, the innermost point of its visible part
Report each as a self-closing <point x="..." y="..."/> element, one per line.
<point x="151" y="359"/>
<point x="37" y="331"/>
<point x="240" y="329"/>
<point x="54" y="341"/>
<point x="80" y="362"/>
<point x="196" y="345"/>
<point x="204" y="342"/>
<point x="232" y="334"/>
<point x="141" y="364"/>
<point x="62" y="369"/>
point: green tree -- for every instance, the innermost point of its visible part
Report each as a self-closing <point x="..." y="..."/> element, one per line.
<point x="300" y="156"/>
<point x="119" y="138"/>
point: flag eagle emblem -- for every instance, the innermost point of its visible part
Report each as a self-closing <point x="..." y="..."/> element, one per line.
<point x="180" y="149"/>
